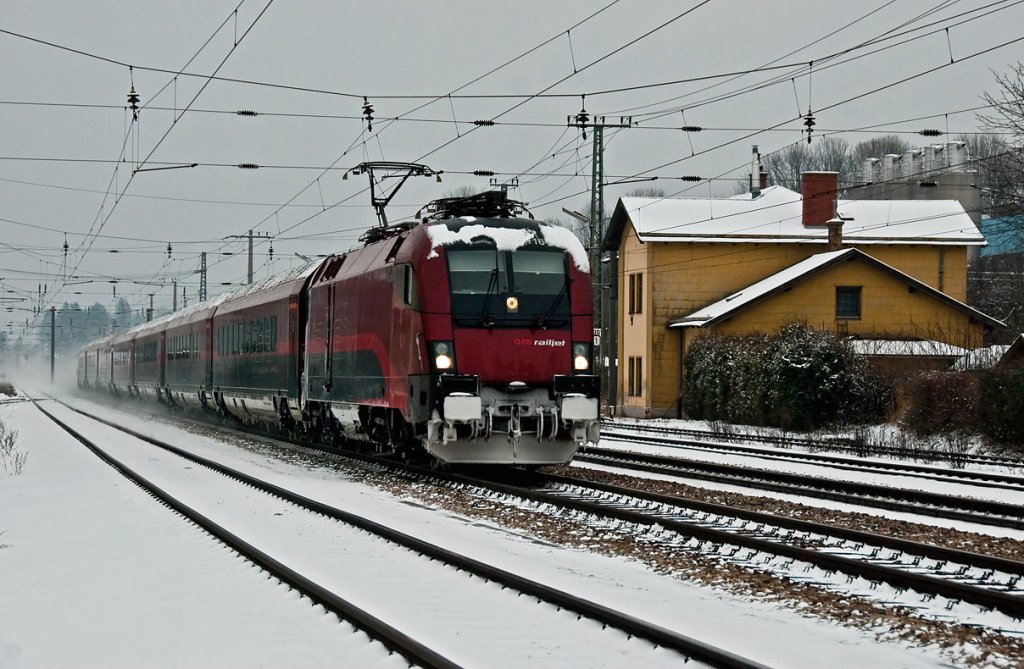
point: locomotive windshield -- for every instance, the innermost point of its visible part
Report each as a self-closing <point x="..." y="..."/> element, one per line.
<point x="522" y="288"/>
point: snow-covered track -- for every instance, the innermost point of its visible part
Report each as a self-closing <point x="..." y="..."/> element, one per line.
<point x="775" y="551"/>
<point x="412" y="649"/>
<point x="859" y="464"/>
<point x="659" y="636"/>
<point x="712" y="439"/>
<point x="953" y="507"/>
<point x="987" y="581"/>
<point x="771" y="525"/>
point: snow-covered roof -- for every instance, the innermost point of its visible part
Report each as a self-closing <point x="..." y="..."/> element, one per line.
<point x="759" y="290"/>
<point x="777" y="215"/>
<point x="981" y="358"/>
<point x="797" y="272"/>
<point x="900" y="348"/>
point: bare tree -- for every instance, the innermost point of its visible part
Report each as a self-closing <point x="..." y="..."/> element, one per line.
<point x="876" y="147"/>
<point x="829" y="154"/>
<point x="462" y="191"/>
<point x="1007" y="116"/>
<point x="785" y="167"/>
<point x="999" y="176"/>
<point x="832" y="154"/>
<point x="996" y="281"/>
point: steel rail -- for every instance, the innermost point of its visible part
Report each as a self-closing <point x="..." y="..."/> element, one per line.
<point x="392" y="638"/>
<point x="834" y="443"/>
<point x="930" y="551"/>
<point x="635" y="626"/>
<point x="922" y="471"/>
<point x="999" y="514"/>
<point x="1011" y="605"/>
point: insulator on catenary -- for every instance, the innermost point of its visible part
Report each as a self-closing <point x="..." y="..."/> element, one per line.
<point x="248" y="166"/>
<point x="691" y="128"/>
<point x="930" y="132"/>
<point x="483" y="173"/>
<point x="484" y="123"/>
<point x="690" y="178"/>
<point x="246" y="112"/>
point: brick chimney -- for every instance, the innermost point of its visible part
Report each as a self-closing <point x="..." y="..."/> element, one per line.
<point x="835" y="233"/>
<point x="819" y="190"/>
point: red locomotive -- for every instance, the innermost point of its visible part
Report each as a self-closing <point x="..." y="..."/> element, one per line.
<point x="466" y="336"/>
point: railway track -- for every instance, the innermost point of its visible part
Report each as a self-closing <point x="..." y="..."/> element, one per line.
<point x="986" y="581"/>
<point x="952" y="507"/>
<point x="714" y="440"/>
<point x="988" y="479"/>
<point x="415" y="651"/>
<point x="956" y="576"/>
<point x="782" y="546"/>
<point x="930" y="579"/>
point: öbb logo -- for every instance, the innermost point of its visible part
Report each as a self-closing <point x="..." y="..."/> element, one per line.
<point x="529" y="341"/>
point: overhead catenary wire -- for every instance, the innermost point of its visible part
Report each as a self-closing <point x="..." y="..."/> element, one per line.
<point x="555" y="173"/>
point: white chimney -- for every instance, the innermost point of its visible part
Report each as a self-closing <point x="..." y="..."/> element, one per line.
<point x="872" y="170"/>
<point x="913" y="164"/>
<point x="890" y="167"/>
<point x="957" y="156"/>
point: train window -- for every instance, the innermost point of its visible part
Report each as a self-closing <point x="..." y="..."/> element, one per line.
<point x="475" y="272"/>
<point x="538" y="272"/>
<point x="405" y="286"/>
<point x="273" y="333"/>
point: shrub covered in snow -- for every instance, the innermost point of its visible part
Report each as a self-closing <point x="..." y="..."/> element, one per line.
<point x="800" y="378"/>
<point x="940" y="403"/>
<point x="988" y="403"/>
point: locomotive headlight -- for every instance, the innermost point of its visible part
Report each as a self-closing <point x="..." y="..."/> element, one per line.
<point x="580" y="356"/>
<point x="442" y="355"/>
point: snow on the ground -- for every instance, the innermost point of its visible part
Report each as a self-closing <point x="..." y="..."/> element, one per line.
<point x="94" y="573"/>
<point x="977" y="490"/>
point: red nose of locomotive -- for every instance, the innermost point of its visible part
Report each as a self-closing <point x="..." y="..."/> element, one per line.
<point x="511" y="356"/>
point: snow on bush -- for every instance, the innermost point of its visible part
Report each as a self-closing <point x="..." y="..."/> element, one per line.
<point x="799" y="378"/>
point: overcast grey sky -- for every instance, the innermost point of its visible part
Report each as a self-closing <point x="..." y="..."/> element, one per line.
<point x="63" y="121"/>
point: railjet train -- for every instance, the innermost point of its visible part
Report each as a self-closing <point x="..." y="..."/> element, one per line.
<point x="465" y="337"/>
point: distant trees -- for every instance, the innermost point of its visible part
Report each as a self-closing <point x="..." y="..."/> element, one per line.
<point x="996" y="282"/>
<point x="1005" y="157"/>
<point x="828" y="154"/>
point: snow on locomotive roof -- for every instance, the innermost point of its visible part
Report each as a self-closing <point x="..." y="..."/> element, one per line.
<point x="507" y="235"/>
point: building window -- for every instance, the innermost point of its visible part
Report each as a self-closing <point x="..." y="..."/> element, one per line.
<point x="847" y="302"/>
<point x="636" y="293"/>
<point x="634" y="376"/>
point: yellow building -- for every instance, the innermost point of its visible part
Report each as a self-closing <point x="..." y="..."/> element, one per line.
<point x="875" y="269"/>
